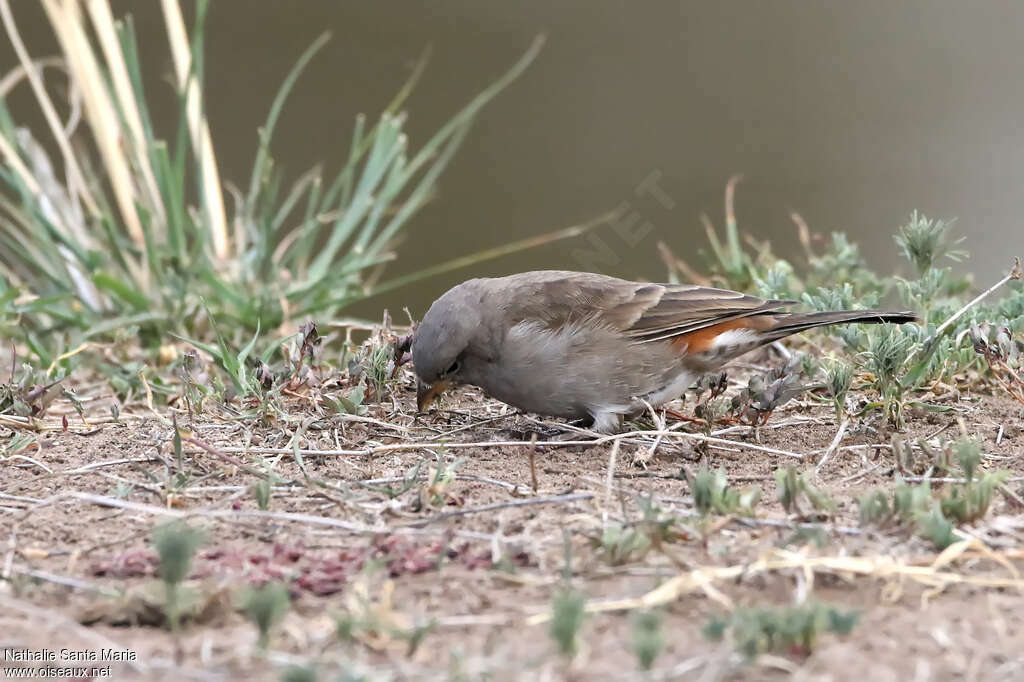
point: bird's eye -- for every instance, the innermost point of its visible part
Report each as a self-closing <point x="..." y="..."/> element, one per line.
<point x="453" y="369"/>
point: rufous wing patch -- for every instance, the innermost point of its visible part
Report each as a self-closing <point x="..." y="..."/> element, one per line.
<point x="703" y="340"/>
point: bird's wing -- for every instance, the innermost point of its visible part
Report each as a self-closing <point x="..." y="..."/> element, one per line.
<point x="675" y="310"/>
<point x="644" y="312"/>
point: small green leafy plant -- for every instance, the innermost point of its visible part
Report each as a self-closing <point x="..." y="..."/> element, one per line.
<point x="935" y="527"/>
<point x="729" y="261"/>
<point x="176" y="543"/>
<point x="262" y="491"/>
<point x="838" y="377"/>
<point x="567" y="618"/>
<point x="792" y="630"/>
<point x="970" y="500"/>
<point x="621" y="544"/>
<point x="265" y="606"/>
<point x="923" y="242"/>
<point x="936" y="519"/>
<point x="235" y="364"/>
<point x="646" y="638"/>
<point x="886" y="358"/>
<point x="299" y="673"/>
<point x="441" y="474"/>
<point x="712" y="493"/>
<point x="905" y="504"/>
<point x="793" y="487"/>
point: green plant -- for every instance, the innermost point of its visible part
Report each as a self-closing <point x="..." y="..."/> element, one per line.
<point x="729" y="262"/>
<point x="115" y="242"/>
<point x="838" y="379"/>
<point x="440" y="477"/>
<point x="194" y="381"/>
<point x="923" y="242"/>
<point x="964" y="502"/>
<point x="262" y="490"/>
<point x="371" y="369"/>
<point x="711" y="408"/>
<point x="910" y="501"/>
<point x="351" y="402"/>
<point x="785" y="629"/>
<point x="970" y="500"/>
<point x="568" y="615"/>
<point x="793" y="487"/>
<point x="646" y="639"/>
<point x="376" y="364"/>
<point x="775" y="281"/>
<point x="842" y="296"/>
<point x="712" y="493"/>
<point x="842" y="262"/>
<point x="299" y="673"/>
<point x="899" y="361"/>
<point x="176" y="543"/>
<point x="936" y="527"/>
<point x="16" y="443"/>
<point x="235" y="364"/>
<point x="265" y="606"/>
<point x="763" y="394"/>
<point x="906" y="504"/>
<point x="621" y="544"/>
<point x="1010" y="310"/>
<point x="886" y="357"/>
<point x="374" y="621"/>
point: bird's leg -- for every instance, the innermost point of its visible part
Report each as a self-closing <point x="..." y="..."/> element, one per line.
<point x="676" y="414"/>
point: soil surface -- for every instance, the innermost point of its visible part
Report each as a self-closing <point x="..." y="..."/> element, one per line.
<point x="430" y="575"/>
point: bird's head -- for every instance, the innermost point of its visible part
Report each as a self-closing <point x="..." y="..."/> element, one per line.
<point x="441" y="340"/>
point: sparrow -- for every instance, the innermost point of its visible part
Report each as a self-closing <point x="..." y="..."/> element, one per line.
<point x="584" y="345"/>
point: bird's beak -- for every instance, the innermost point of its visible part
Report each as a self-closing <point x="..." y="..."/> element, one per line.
<point x="427" y="393"/>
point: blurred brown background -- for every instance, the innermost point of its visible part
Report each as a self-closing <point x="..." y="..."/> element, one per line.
<point x="852" y="114"/>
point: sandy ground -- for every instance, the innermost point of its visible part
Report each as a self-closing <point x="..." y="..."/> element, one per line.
<point x="357" y="536"/>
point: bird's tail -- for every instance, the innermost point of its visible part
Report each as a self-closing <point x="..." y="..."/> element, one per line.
<point x="791" y="323"/>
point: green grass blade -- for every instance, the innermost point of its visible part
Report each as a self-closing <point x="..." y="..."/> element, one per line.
<point x="267" y="132"/>
<point x="300" y="188"/>
<point x="423" y="190"/>
<point x="124" y="291"/>
<point x="345" y="177"/>
<point x="243" y="354"/>
<point x="107" y="326"/>
<point x="297" y="257"/>
<point x="388" y="144"/>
